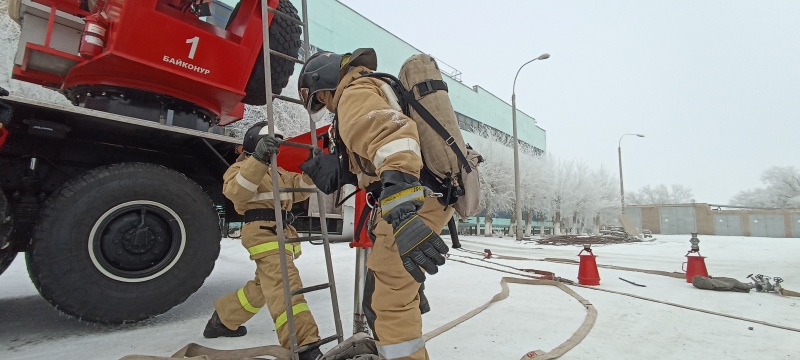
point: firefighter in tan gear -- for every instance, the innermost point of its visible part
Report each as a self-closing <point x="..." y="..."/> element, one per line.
<point x="386" y="142"/>
<point x="248" y="184"/>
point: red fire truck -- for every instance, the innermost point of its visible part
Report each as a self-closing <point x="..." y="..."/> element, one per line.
<point x="116" y="201"/>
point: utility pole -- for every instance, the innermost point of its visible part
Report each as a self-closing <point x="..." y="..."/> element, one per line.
<point x="517" y="212"/>
<point x="619" y="154"/>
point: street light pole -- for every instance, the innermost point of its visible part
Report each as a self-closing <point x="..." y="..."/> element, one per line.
<point x="517" y="212"/>
<point x="619" y="154"/>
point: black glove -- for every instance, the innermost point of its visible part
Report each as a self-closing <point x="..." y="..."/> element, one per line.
<point x="267" y="146"/>
<point x="324" y="172"/>
<point x="418" y="245"/>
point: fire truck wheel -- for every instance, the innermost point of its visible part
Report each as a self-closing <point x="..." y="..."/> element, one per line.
<point x="284" y="37"/>
<point x="123" y="243"/>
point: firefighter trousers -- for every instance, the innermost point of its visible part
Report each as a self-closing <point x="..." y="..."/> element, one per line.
<point x="391" y="295"/>
<point x="266" y="288"/>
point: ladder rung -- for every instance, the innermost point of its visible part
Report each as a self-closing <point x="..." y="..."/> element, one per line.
<point x="306" y="190"/>
<point x="294" y="144"/>
<point x="287" y="57"/>
<point x="310" y="289"/>
<point x="289" y="99"/>
<point x="287" y="17"/>
<point x="304" y="238"/>
<point x="317" y="344"/>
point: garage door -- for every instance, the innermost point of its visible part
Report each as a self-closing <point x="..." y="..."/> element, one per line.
<point x="767" y="225"/>
<point x="634" y="214"/>
<point x="677" y="220"/>
<point x="728" y="224"/>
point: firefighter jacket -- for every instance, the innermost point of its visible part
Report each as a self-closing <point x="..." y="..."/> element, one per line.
<point x="248" y="184"/>
<point x="378" y="136"/>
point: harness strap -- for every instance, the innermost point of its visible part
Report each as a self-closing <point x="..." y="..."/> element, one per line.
<point x="424" y="88"/>
<point x="452" y="227"/>
<point x="429" y="86"/>
<point x="363" y="168"/>
<point x="362" y="221"/>
<point x="267" y="215"/>
<point x="339" y="203"/>
<point x="436" y="126"/>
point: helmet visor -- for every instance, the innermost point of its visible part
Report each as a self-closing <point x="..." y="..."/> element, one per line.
<point x="310" y="101"/>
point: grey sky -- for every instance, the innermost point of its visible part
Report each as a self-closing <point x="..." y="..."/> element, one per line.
<point x="714" y="85"/>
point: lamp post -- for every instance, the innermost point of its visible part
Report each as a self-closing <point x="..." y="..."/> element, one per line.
<point x="619" y="154"/>
<point x="517" y="212"/>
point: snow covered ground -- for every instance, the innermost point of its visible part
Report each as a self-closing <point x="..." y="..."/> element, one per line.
<point x="533" y="317"/>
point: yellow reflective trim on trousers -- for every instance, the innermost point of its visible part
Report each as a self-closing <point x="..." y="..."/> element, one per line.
<point x="246" y="303"/>
<point x="406" y="192"/>
<point x="296" y="309"/>
<point x="272" y="245"/>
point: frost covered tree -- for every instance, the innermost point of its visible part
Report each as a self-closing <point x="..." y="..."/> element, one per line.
<point x="660" y="194"/>
<point x="782" y="190"/>
<point x="9" y="38"/>
<point x="562" y="197"/>
<point x="497" y="176"/>
<point x="290" y="119"/>
<point x="569" y="193"/>
<point x="592" y="192"/>
<point x="536" y="183"/>
<point x="574" y="196"/>
<point x="604" y="206"/>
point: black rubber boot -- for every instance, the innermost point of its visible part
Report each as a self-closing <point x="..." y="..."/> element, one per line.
<point x="215" y="329"/>
<point x="311" y="354"/>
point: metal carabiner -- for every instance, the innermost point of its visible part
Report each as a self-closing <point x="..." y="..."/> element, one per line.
<point x="430" y="193"/>
<point x="370" y="199"/>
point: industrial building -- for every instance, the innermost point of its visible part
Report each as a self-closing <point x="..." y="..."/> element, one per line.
<point x="708" y="219"/>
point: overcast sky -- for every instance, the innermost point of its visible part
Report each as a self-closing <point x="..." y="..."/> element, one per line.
<point x="714" y="85"/>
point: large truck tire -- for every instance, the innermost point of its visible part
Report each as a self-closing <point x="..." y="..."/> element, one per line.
<point x="123" y="243"/>
<point x="284" y="37"/>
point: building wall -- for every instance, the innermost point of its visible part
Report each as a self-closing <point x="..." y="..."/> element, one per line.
<point x="335" y="27"/>
<point x="704" y="219"/>
<point x="761" y="223"/>
<point x="651" y="219"/>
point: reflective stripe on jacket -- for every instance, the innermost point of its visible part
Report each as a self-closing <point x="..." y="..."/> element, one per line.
<point x="381" y="136"/>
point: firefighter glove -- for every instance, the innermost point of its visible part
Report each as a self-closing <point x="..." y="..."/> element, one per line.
<point x="267" y="146"/>
<point x="324" y="172"/>
<point x="418" y="245"/>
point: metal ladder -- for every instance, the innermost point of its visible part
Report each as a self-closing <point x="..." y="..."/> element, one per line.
<point x="276" y="191"/>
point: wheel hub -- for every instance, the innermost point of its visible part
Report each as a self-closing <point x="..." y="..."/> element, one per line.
<point x="136" y="241"/>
